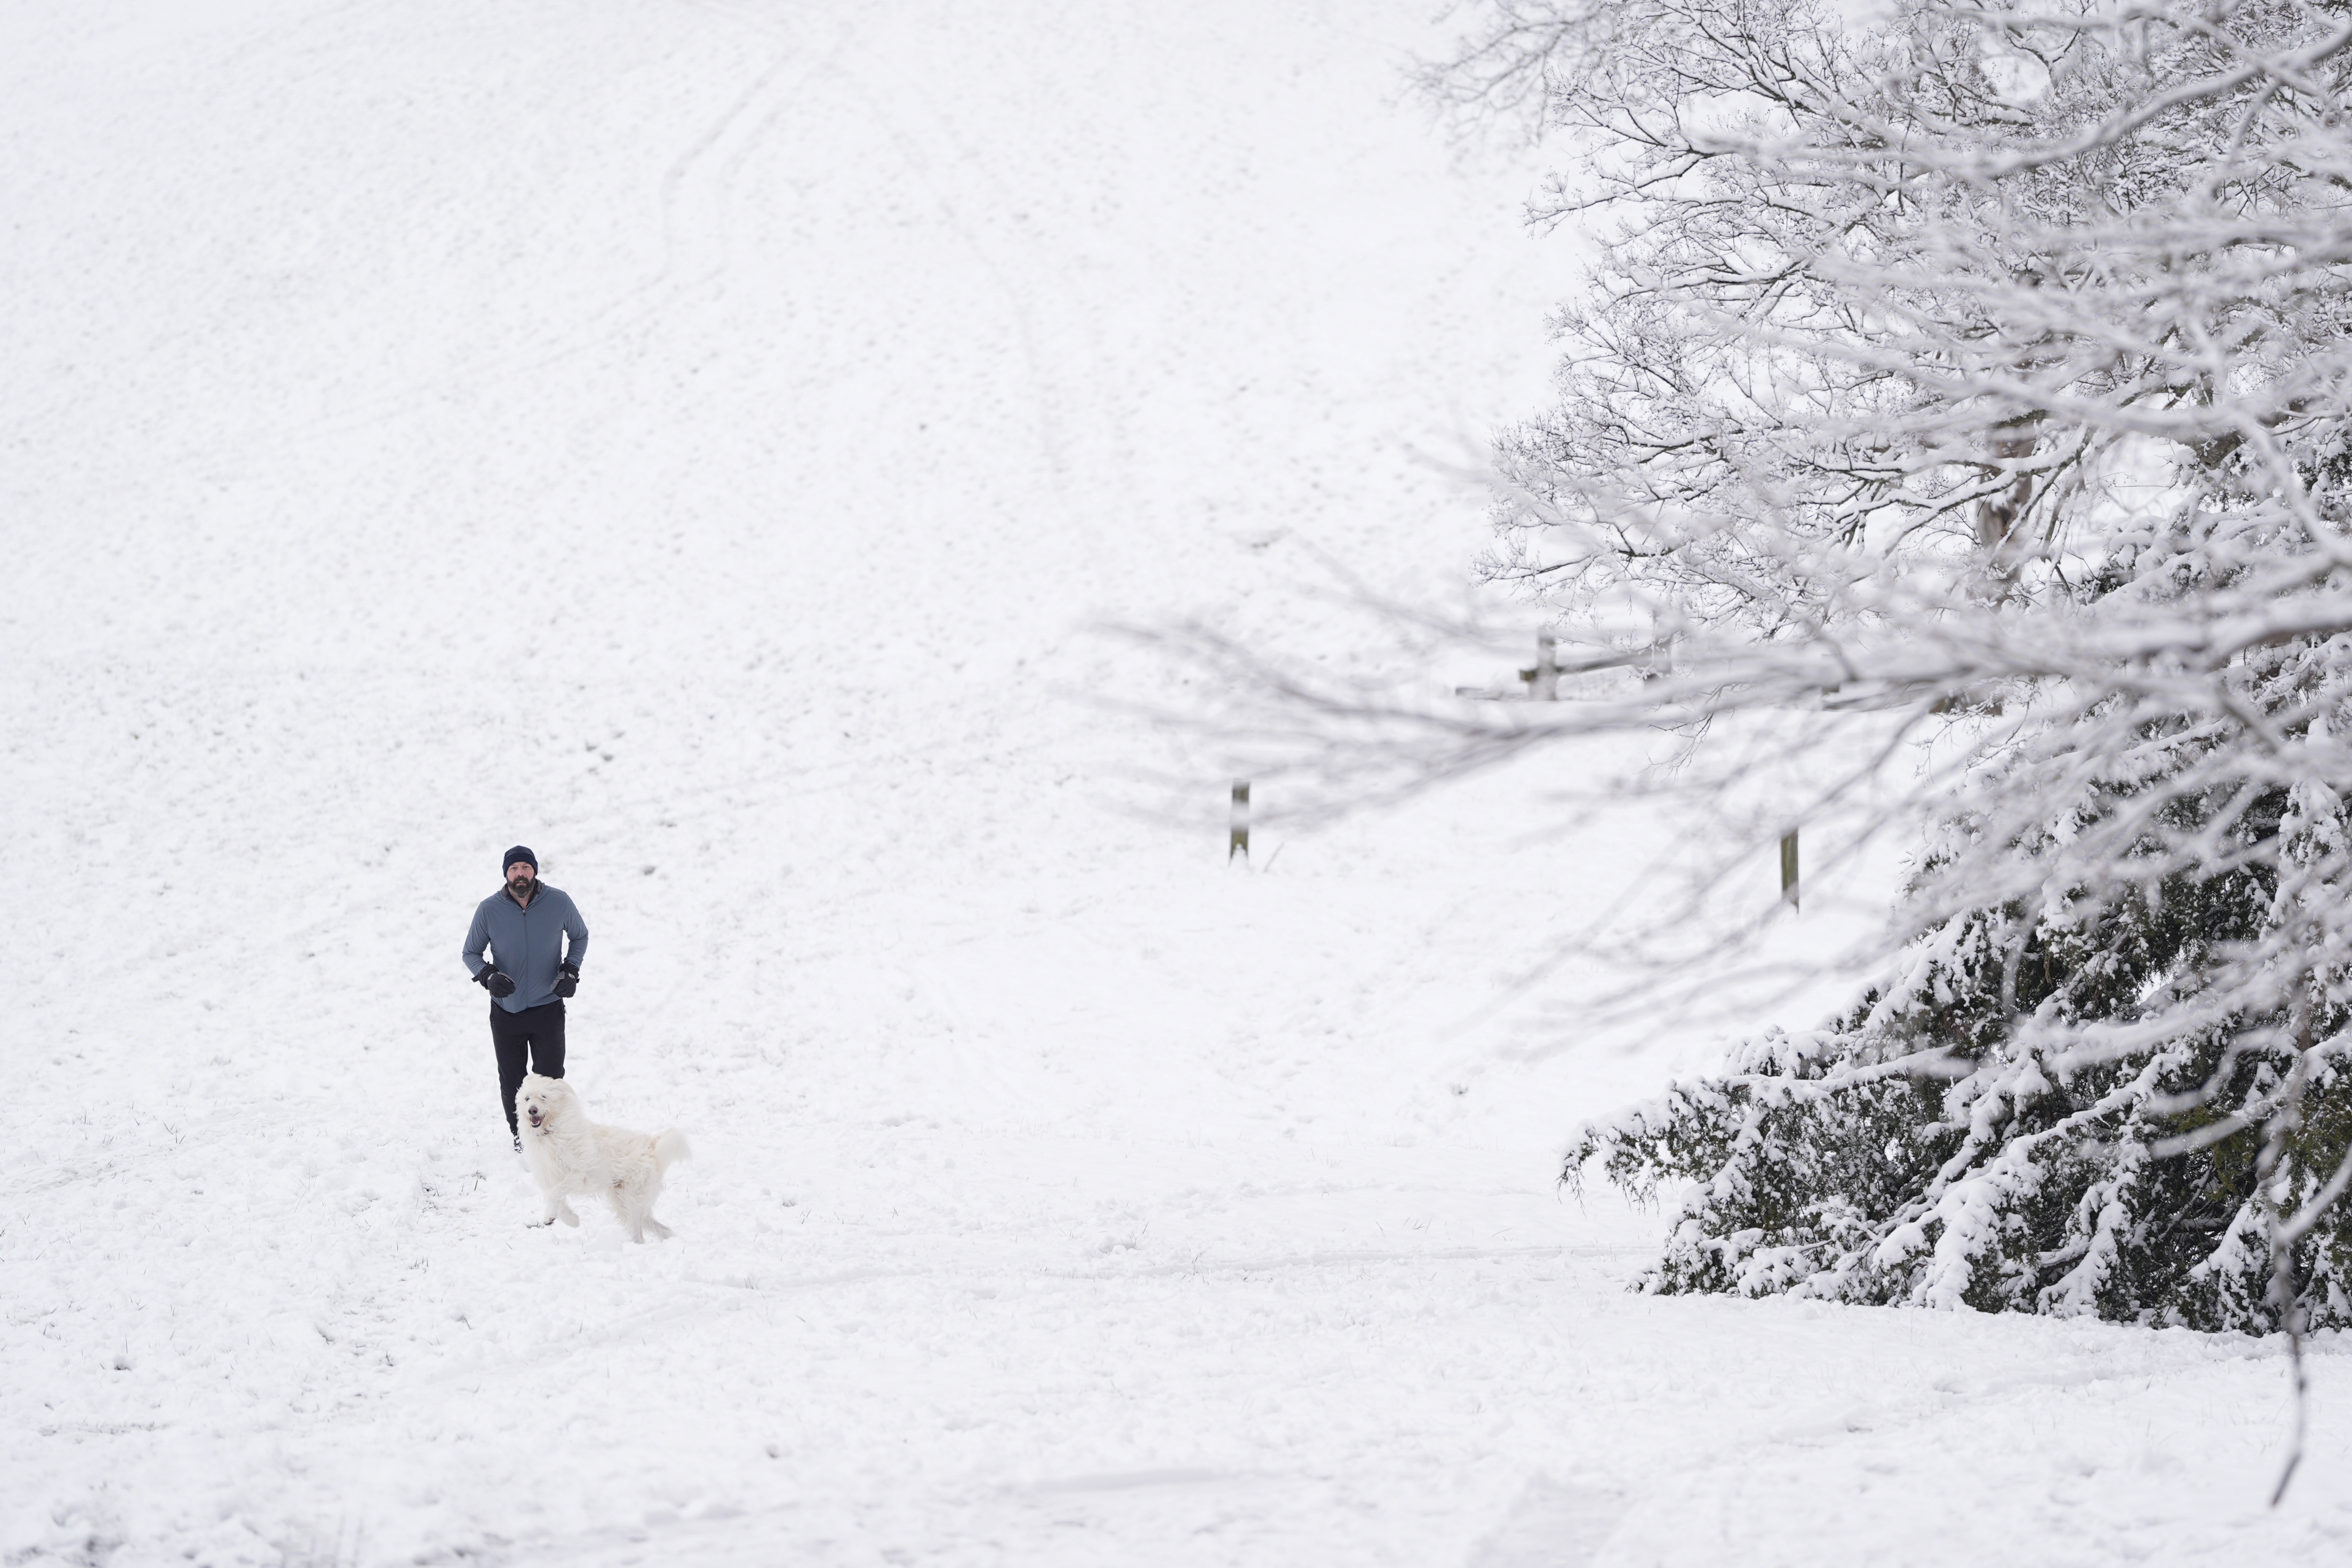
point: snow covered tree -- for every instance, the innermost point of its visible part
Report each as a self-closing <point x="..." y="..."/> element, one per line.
<point x="1980" y="372"/>
<point x="1988" y="365"/>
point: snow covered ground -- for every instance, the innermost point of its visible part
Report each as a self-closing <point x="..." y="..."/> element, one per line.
<point x="693" y="439"/>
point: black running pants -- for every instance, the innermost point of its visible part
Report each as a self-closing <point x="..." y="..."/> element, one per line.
<point x="535" y="1033"/>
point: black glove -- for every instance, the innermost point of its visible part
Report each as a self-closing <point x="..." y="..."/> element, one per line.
<point x="567" y="982"/>
<point x="498" y="982"/>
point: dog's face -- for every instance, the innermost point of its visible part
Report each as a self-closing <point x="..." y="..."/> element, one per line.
<point x="541" y="1100"/>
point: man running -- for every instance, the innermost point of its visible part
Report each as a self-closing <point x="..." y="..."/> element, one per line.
<point x="529" y="974"/>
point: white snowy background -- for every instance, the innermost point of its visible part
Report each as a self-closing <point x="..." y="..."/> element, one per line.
<point x="694" y="439"/>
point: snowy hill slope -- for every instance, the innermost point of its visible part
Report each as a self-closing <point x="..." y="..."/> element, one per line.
<point x="692" y="439"/>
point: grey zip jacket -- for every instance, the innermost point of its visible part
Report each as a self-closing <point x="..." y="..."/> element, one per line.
<point x="528" y="944"/>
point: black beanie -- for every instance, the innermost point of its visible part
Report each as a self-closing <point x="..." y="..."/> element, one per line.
<point x="519" y="853"/>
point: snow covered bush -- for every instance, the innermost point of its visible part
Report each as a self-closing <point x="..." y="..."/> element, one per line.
<point x="1951" y="1142"/>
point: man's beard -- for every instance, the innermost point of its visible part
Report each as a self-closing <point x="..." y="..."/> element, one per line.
<point x="519" y="886"/>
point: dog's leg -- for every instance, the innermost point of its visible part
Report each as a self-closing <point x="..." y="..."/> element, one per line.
<point x="564" y="1212"/>
<point x="626" y="1208"/>
<point x="661" y="1232"/>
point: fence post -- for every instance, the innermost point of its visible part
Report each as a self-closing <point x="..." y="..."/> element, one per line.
<point x="1789" y="869"/>
<point x="1238" y="843"/>
<point x="1543" y="681"/>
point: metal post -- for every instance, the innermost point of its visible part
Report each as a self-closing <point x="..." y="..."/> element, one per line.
<point x="1789" y="869"/>
<point x="1238" y="844"/>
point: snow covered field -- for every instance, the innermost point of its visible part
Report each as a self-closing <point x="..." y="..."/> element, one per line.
<point x="693" y="439"/>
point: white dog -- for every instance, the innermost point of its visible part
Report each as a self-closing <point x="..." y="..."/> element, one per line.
<point x="569" y="1153"/>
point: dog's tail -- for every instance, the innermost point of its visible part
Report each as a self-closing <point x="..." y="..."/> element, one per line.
<point x="669" y="1149"/>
